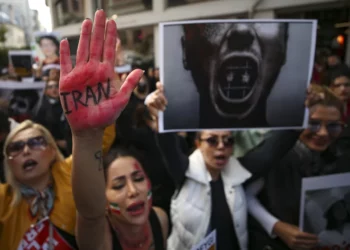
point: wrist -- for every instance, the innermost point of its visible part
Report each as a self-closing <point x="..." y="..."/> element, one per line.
<point x="91" y="136"/>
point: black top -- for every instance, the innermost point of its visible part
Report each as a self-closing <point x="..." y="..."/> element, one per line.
<point x="70" y="239"/>
<point x="221" y="218"/>
<point x="156" y="231"/>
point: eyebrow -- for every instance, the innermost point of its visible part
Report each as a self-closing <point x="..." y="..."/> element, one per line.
<point x="123" y="177"/>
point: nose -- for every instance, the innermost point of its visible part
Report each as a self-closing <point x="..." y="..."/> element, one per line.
<point x="323" y="131"/>
<point x="221" y="144"/>
<point x="26" y="149"/>
<point x="132" y="190"/>
<point x="240" y="37"/>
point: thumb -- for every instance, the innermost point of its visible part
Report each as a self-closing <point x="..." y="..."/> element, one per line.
<point x="126" y="89"/>
<point x="159" y="86"/>
<point x="131" y="82"/>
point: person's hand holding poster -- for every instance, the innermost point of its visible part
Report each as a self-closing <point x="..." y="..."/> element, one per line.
<point x="236" y="73"/>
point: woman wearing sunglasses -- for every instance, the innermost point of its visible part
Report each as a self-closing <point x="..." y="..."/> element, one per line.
<point x="275" y="211"/>
<point x="38" y="190"/>
<point x="210" y="195"/>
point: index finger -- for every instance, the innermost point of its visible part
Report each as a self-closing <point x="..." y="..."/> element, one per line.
<point x="307" y="236"/>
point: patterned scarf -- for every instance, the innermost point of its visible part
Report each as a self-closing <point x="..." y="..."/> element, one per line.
<point x="42" y="201"/>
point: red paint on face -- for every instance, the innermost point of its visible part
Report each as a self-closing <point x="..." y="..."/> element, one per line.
<point x="137" y="167"/>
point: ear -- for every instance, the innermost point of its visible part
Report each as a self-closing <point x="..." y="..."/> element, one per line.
<point x="184" y="54"/>
<point x="198" y="143"/>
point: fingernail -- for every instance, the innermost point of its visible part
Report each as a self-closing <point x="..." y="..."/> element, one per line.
<point x="87" y="18"/>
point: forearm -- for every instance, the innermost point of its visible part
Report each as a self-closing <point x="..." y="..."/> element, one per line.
<point x="88" y="181"/>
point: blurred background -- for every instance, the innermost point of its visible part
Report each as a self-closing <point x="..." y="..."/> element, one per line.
<point x="138" y="21"/>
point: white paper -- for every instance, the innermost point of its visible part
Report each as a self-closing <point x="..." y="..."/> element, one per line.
<point x="208" y="243"/>
<point x="285" y="103"/>
<point x="322" y="197"/>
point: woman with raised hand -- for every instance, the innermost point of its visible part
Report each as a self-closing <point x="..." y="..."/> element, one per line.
<point x="114" y="211"/>
<point x="210" y="195"/>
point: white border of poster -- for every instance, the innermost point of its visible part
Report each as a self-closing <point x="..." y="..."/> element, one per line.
<point x="161" y="65"/>
<point x="321" y="183"/>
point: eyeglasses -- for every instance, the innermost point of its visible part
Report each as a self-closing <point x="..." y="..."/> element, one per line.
<point x="214" y="141"/>
<point x="338" y="85"/>
<point x="34" y="143"/>
<point x="55" y="86"/>
<point x="333" y="128"/>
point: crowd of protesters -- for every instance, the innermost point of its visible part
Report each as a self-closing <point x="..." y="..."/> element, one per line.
<point x="101" y="176"/>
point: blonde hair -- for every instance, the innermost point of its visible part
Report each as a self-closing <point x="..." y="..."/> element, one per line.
<point x="10" y="178"/>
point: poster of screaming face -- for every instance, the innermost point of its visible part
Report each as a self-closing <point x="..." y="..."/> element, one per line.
<point x="325" y="210"/>
<point x="234" y="74"/>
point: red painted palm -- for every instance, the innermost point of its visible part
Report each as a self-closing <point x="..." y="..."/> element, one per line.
<point x="90" y="94"/>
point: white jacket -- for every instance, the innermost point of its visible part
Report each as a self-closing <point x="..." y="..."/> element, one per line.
<point x="191" y="207"/>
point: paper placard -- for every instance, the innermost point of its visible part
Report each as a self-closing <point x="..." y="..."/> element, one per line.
<point x="208" y="243"/>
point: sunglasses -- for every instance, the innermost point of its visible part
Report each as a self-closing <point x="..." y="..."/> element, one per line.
<point x="214" y="141"/>
<point x="34" y="143"/>
<point x="52" y="86"/>
<point x="345" y="85"/>
<point x="333" y="128"/>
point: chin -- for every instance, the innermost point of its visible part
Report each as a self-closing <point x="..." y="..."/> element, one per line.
<point x="139" y="220"/>
<point x="317" y="148"/>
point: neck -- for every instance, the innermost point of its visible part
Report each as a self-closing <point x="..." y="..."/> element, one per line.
<point x="214" y="173"/>
<point x="132" y="236"/>
<point x="39" y="184"/>
<point x="51" y="57"/>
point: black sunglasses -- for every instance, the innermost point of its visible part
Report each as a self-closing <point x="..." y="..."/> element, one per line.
<point x="333" y="128"/>
<point x="34" y="143"/>
<point x="214" y="141"/>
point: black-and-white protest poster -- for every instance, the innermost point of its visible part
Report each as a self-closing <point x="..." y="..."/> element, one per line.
<point x="325" y="210"/>
<point x="236" y="74"/>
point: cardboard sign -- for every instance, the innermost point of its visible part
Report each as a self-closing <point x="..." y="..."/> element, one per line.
<point x="208" y="243"/>
<point x="42" y="236"/>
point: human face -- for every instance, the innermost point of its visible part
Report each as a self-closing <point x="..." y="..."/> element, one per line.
<point x="341" y="87"/>
<point x="236" y="63"/>
<point x="32" y="162"/>
<point x="52" y="89"/>
<point x="332" y="61"/>
<point x="48" y="47"/>
<point x="216" y="148"/>
<point x="128" y="191"/>
<point x="324" y="127"/>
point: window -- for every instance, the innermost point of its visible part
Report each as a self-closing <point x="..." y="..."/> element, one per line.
<point x="173" y="3"/>
<point x="68" y="12"/>
<point x="124" y="7"/>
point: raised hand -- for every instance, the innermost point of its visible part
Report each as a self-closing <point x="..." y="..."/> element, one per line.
<point x="90" y="94"/>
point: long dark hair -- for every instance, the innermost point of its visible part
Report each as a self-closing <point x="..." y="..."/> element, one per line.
<point x="119" y="152"/>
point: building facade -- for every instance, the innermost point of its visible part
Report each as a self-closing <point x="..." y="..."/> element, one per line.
<point x="20" y="14"/>
<point x="138" y="20"/>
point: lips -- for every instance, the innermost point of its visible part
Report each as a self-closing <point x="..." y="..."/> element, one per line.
<point x="220" y="159"/>
<point x="29" y="164"/>
<point x="237" y="76"/>
<point x="136" y="208"/>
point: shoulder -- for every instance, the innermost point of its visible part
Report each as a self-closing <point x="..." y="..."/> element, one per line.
<point x="164" y="221"/>
<point x="6" y="196"/>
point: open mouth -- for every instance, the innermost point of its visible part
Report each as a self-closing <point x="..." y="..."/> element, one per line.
<point x="29" y="164"/>
<point x="236" y="77"/>
<point x="136" y="209"/>
<point x="220" y="159"/>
